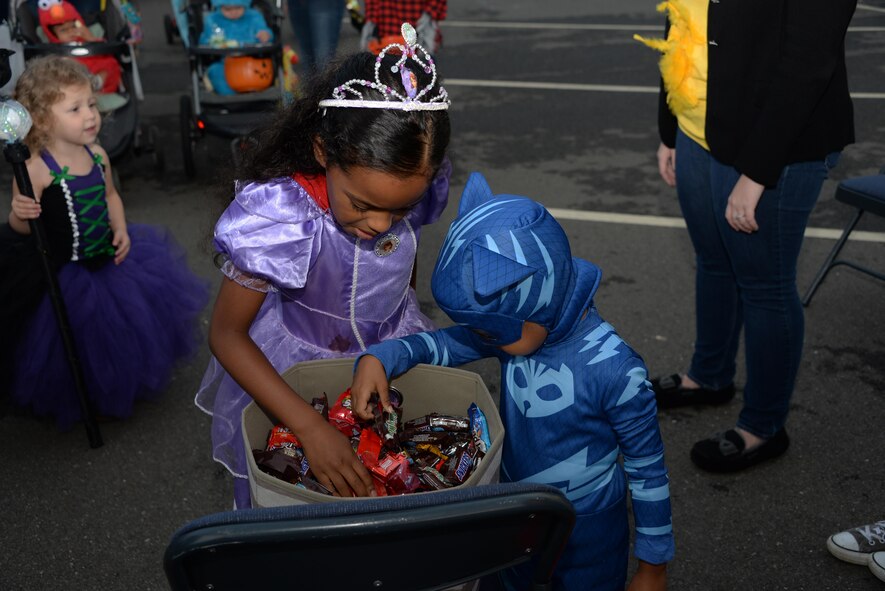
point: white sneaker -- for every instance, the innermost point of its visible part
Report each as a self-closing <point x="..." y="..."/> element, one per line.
<point x="877" y="564"/>
<point x="858" y="544"/>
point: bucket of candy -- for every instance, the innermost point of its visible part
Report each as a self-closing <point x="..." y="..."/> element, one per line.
<point x="445" y="431"/>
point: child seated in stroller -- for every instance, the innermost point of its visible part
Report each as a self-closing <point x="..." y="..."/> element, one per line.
<point x="62" y="23"/>
<point x="230" y="24"/>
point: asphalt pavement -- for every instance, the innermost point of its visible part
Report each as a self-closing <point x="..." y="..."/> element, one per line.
<point x="550" y="100"/>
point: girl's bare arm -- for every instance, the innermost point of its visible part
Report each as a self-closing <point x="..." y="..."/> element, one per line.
<point x="330" y="455"/>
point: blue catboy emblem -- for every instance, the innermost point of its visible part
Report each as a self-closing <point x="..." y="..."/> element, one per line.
<point x="558" y="387"/>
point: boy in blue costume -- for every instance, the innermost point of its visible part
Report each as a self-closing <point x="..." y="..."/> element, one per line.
<point x="574" y="395"/>
<point x="231" y="23"/>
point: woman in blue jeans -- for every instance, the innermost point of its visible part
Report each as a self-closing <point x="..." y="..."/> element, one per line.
<point x="754" y="111"/>
<point x="316" y="24"/>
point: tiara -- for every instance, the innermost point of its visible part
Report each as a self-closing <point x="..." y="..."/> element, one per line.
<point x="411" y="101"/>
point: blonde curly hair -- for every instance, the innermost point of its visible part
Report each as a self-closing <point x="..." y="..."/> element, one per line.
<point x="42" y="85"/>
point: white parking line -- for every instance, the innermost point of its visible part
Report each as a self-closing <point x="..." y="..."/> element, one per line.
<point x="670" y="222"/>
<point x="591" y="87"/>
<point x="548" y="85"/>
<point x="595" y="27"/>
<point x="622" y="218"/>
<point x="870" y="8"/>
<point x="550" y="26"/>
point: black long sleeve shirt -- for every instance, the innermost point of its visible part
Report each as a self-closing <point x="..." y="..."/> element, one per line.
<point x="777" y="87"/>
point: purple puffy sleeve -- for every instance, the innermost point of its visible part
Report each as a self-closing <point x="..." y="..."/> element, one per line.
<point x="436" y="199"/>
<point x="267" y="235"/>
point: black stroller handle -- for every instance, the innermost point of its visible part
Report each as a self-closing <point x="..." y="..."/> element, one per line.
<point x="115" y="48"/>
<point x="264" y="49"/>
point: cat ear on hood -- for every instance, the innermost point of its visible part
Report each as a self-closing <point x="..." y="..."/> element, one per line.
<point x="494" y="272"/>
<point x="476" y="192"/>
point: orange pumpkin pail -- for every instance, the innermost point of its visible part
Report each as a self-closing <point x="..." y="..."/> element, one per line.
<point x="376" y="45"/>
<point x="248" y="74"/>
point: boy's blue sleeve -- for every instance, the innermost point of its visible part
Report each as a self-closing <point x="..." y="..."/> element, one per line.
<point x="449" y="347"/>
<point x="632" y="412"/>
<point x="208" y="25"/>
<point x="256" y="24"/>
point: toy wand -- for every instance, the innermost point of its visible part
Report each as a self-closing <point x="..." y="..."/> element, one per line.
<point x="15" y="122"/>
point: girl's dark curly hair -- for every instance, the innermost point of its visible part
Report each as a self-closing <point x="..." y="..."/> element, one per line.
<point x="400" y="143"/>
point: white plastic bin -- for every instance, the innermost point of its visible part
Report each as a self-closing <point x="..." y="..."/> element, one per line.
<point x="425" y="389"/>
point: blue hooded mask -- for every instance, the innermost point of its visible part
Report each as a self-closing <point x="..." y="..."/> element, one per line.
<point x="506" y="260"/>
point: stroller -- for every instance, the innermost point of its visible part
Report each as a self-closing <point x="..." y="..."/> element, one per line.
<point x="233" y="116"/>
<point x="121" y="133"/>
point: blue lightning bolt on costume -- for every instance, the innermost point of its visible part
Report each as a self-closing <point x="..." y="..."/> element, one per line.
<point x="572" y="407"/>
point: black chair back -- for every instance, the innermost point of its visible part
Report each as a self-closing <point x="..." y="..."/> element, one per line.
<point x="403" y="543"/>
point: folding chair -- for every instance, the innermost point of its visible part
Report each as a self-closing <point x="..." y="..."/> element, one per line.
<point x="411" y="542"/>
<point x="866" y="193"/>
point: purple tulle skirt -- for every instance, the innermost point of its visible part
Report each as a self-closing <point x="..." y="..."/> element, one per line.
<point x="131" y="323"/>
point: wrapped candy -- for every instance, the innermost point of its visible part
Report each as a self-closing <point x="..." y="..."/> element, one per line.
<point x="432" y="452"/>
<point x="341" y="416"/>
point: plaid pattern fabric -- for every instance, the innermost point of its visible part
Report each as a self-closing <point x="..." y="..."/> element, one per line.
<point x="389" y="15"/>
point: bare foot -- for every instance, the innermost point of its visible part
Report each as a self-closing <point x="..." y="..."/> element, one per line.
<point x="750" y="440"/>
<point x="688" y="383"/>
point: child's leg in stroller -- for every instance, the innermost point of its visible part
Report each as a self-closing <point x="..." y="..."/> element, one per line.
<point x="215" y="73"/>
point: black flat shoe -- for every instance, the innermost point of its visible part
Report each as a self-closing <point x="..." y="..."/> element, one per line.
<point x="726" y="451"/>
<point x="669" y="393"/>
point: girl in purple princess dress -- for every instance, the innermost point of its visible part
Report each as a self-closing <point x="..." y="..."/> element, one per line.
<point x="319" y="245"/>
<point x="132" y="302"/>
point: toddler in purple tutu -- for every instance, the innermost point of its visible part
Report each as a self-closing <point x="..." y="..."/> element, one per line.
<point x="132" y="302"/>
<point x="319" y="246"/>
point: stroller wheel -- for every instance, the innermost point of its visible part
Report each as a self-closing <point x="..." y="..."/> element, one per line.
<point x="188" y="135"/>
<point x="169" y="28"/>
<point x="138" y="143"/>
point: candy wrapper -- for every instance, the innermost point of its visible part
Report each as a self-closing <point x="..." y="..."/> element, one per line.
<point x="369" y="448"/>
<point x="433" y="452"/>
<point x="479" y="427"/>
<point x="438" y="422"/>
<point x="433" y="479"/>
<point x="402" y="479"/>
<point x="342" y="417"/>
<point x="466" y="460"/>
<point x="388" y="423"/>
<point x="281" y="436"/>
<point x="279" y="464"/>
<point x="321" y="405"/>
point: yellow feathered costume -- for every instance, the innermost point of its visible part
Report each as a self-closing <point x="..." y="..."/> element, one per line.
<point x="684" y="61"/>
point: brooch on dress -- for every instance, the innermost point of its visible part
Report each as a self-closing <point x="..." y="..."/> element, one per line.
<point x="386" y="245"/>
